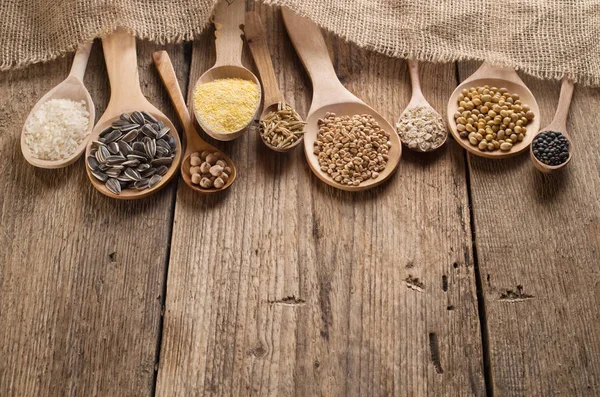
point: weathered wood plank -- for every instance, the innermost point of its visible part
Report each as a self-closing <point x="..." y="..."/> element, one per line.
<point x="538" y="245"/>
<point x="81" y="275"/>
<point x="285" y="286"/>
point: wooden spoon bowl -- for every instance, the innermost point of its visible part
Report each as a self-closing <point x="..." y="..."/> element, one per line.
<point x="229" y="17"/>
<point x="194" y="143"/>
<point x="71" y="88"/>
<point x="126" y="97"/>
<point x="417" y="101"/>
<point x="558" y="124"/>
<point x="266" y="111"/>
<point x="329" y="95"/>
<point x="495" y="77"/>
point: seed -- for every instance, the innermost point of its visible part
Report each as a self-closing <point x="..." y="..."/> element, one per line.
<point x="113" y="185"/>
<point x="141" y="184"/>
<point x="163" y="131"/>
<point x="154" y="181"/>
<point x="132" y="174"/>
<point x="130" y="136"/>
<point x="506" y="146"/>
<point x="93" y="163"/>
<point x="162" y="170"/>
<point x="138" y="118"/>
<point x="149" y="146"/>
<point x="102" y="154"/>
<point x="101" y="176"/>
<point x="113" y="136"/>
<point x="113" y="147"/>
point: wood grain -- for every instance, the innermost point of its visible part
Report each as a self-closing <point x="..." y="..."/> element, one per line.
<point x="285" y="286"/>
<point x="538" y="246"/>
<point x="81" y="275"/>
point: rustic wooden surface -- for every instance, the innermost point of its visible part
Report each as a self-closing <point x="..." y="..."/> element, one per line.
<point x="538" y="249"/>
<point x="460" y="276"/>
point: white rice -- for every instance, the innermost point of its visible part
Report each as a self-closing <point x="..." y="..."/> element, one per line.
<point x="57" y="128"/>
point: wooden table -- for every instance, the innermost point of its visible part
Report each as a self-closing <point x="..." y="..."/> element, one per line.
<point x="460" y="276"/>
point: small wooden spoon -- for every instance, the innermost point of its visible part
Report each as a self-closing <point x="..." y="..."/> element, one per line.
<point x="329" y="95"/>
<point x="71" y="88"/>
<point x="558" y="124"/>
<point x="496" y="77"/>
<point x="257" y="41"/>
<point x="194" y="143"/>
<point x="125" y="97"/>
<point x="229" y="17"/>
<point x="418" y="101"/>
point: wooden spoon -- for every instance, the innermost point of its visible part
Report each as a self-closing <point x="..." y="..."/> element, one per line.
<point x="257" y="41"/>
<point x="329" y="95"/>
<point x="418" y="101"/>
<point x="229" y="17"/>
<point x="496" y="77"/>
<point x="71" y="88"/>
<point x="194" y="143"/>
<point x="558" y="124"/>
<point x="125" y="97"/>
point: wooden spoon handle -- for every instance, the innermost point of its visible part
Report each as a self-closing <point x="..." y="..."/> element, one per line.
<point x="257" y="41"/>
<point x="229" y="17"/>
<point x="80" y="60"/>
<point x="413" y="71"/>
<point x="312" y="50"/>
<point x="121" y="64"/>
<point x="564" y="103"/>
<point x="487" y="70"/>
<point x="169" y="79"/>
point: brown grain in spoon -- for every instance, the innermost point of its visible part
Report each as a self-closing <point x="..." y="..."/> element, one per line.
<point x="257" y="41"/>
<point x="194" y="143"/>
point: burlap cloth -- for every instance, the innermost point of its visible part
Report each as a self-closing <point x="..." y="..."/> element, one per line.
<point x="545" y="38"/>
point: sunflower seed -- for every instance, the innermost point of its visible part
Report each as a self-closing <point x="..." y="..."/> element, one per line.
<point x="129" y="127"/>
<point x="97" y="144"/>
<point x="172" y="142"/>
<point x="131" y="163"/>
<point x="113" y="185"/>
<point x="149" y="117"/>
<point x="163" y="143"/>
<point x="162" y="161"/>
<point x="130" y="136"/>
<point x="113" y="172"/>
<point x="138" y="118"/>
<point x="101" y="176"/>
<point x="161" y="125"/>
<point x="102" y="140"/>
<point x="149" y="172"/>
<point x="113" y="147"/>
<point x="154" y="181"/>
<point x="125" y="184"/>
<point x="123" y="178"/>
<point x="102" y="154"/>
<point x="149" y="146"/>
<point x="103" y="167"/>
<point x="148" y="131"/>
<point x="117" y="124"/>
<point x="141" y="184"/>
<point x="113" y="136"/>
<point x="162" y="152"/>
<point x="132" y="174"/>
<point x="142" y="167"/>
<point x="124" y="148"/>
<point x="115" y="159"/>
<point x="163" y="131"/>
<point x="162" y="170"/>
<point x="105" y="132"/>
<point x="134" y="156"/>
<point x="93" y="152"/>
<point x="125" y="117"/>
<point x="93" y="163"/>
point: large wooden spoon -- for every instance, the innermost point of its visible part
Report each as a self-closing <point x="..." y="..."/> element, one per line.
<point x="257" y="41"/>
<point x="125" y="97"/>
<point x="329" y="95"/>
<point x="194" y="143"/>
<point x="229" y="17"/>
<point x="418" y="101"/>
<point x="71" y="88"/>
<point x="498" y="77"/>
<point x="558" y="124"/>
